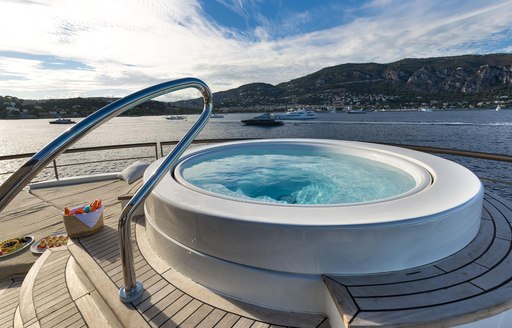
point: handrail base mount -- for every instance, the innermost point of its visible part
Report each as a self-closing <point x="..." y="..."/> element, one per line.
<point x="135" y="293"/>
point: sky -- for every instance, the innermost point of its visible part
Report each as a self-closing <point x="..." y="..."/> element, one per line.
<point x="83" y="48"/>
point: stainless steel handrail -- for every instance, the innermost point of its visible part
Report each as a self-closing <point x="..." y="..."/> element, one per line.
<point x="19" y="179"/>
<point x="132" y="288"/>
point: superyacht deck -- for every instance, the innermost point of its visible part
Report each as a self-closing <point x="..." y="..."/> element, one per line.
<point x="77" y="286"/>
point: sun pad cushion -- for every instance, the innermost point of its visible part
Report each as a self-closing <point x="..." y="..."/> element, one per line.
<point x="133" y="172"/>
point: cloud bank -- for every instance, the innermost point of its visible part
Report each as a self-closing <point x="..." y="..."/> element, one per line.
<point x="59" y="48"/>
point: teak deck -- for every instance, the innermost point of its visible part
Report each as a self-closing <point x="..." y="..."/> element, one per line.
<point x="473" y="283"/>
<point x="469" y="285"/>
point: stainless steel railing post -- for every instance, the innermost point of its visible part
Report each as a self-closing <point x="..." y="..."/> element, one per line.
<point x="132" y="288"/>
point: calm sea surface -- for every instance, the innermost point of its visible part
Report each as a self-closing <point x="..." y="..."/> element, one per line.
<point x="476" y="130"/>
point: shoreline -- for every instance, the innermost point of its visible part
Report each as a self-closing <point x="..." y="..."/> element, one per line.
<point x="256" y="111"/>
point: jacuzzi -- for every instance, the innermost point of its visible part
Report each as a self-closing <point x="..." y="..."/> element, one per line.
<point x="273" y="250"/>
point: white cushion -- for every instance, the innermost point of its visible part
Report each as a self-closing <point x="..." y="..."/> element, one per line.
<point x="133" y="172"/>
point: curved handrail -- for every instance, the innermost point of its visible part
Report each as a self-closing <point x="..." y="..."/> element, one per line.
<point x="19" y="179"/>
<point x="132" y="288"/>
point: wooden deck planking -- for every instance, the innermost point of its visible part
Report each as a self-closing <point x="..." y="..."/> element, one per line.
<point x="50" y="295"/>
<point x="154" y="298"/>
<point x="151" y="285"/>
<point x="55" y="318"/>
<point x="9" y="294"/>
<point x="185" y="312"/>
<point x="501" y="205"/>
<point x="503" y="229"/>
<point x="345" y="305"/>
<point x="162" y="304"/>
<point x="423" y="299"/>
<point x="495" y="254"/>
<point x="103" y="245"/>
<point x="417" y="286"/>
<point x="243" y="323"/>
<point x="473" y="284"/>
<point x="74" y="321"/>
<point x="266" y="325"/>
<point x="389" y="278"/>
<point x="199" y="315"/>
<point x="100" y="236"/>
<point x="212" y="319"/>
<point x="227" y="321"/>
<point x="497" y="276"/>
<point x="170" y="311"/>
<point x="471" y="252"/>
<point x="105" y="251"/>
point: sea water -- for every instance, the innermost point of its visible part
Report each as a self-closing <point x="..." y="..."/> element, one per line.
<point x="474" y="130"/>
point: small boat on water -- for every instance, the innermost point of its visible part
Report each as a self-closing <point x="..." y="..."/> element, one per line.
<point x="176" y="118"/>
<point x="357" y="111"/>
<point x="263" y="120"/>
<point x="498" y="108"/>
<point x="299" y="114"/>
<point x="61" y="120"/>
<point x="216" y="115"/>
<point x="425" y="110"/>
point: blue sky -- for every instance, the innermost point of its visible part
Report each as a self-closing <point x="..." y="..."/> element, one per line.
<point x="61" y="48"/>
<point x="280" y="18"/>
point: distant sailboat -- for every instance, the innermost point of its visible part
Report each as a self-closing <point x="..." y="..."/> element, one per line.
<point x="498" y="108"/>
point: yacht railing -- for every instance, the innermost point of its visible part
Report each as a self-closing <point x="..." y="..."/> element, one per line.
<point x="161" y="148"/>
<point x="54" y="166"/>
<point x="18" y="180"/>
<point x="456" y="152"/>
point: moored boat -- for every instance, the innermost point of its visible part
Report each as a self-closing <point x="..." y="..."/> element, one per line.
<point x="357" y="111"/>
<point x="299" y="114"/>
<point x="176" y="118"/>
<point x="263" y="120"/>
<point x="61" y="120"/>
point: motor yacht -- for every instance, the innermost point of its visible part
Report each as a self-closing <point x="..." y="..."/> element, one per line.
<point x="298" y="114"/>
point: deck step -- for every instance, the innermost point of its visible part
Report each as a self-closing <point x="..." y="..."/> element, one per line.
<point x="104" y="290"/>
<point x="45" y="300"/>
<point x="9" y="296"/>
<point x="470" y="285"/>
<point x="56" y="292"/>
<point x="168" y="299"/>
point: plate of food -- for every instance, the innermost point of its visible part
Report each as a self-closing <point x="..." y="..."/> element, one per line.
<point x="14" y="245"/>
<point x="49" y="242"/>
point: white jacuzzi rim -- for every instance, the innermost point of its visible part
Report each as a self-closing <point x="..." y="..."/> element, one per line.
<point x="418" y="173"/>
<point x="442" y="195"/>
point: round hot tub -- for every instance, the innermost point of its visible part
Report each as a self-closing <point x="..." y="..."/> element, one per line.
<point x="304" y="207"/>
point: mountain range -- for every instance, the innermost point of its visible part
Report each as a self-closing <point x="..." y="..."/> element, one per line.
<point x="468" y="81"/>
<point x="410" y="81"/>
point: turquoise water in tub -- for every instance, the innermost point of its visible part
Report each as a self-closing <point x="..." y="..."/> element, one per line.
<point x="296" y="177"/>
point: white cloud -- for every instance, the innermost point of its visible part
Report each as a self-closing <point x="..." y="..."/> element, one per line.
<point x="133" y="44"/>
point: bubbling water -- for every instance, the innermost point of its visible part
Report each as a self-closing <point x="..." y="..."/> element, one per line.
<point x="298" y="177"/>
